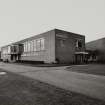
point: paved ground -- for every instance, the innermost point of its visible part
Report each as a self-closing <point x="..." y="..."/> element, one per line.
<point x="97" y="69"/>
<point x="16" y="89"/>
<point x="90" y="85"/>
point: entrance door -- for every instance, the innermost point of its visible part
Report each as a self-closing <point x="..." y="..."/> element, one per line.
<point x="79" y="58"/>
<point x="13" y="57"/>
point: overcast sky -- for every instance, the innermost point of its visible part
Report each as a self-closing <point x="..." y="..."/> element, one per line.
<point x="20" y="19"/>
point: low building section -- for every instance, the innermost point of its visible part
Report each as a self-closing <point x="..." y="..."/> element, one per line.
<point x="96" y="50"/>
<point x="55" y="46"/>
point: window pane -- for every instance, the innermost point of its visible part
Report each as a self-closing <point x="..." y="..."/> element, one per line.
<point x="38" y="44"/>
<point x="27" y="46"/>
<point x="31" y="46"/>
<point x="24" y="47"/>
<point x="28" y="49"/>
<point x="34" y="45"/>
<point x="42" y="43"/>
<point x="9" y="49"/>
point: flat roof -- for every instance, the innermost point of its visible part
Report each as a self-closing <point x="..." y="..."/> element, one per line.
<point x="40" y="34"/>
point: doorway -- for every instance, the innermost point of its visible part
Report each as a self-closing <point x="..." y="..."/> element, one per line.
<point x="78" y="58"/>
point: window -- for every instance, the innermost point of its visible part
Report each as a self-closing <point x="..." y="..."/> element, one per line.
<point x="42" y="43"/>
<point x="3" y="50"/>
<point x="38" y="45"/>
<point x="24" y="47"/>
<point x="79" y="44"/>
<point x="9" y="49"/>
<point x="15" y="49"/>
<point x="34" y="46"/>
<point x="31" y="45"/>
<point x="28" y="46"/>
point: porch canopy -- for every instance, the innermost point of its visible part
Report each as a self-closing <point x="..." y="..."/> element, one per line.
<point x="81" y="57"/>
<point x="83" y="53"/>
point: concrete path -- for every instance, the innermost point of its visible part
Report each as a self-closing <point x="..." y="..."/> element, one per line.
<point x="87" y="84"/>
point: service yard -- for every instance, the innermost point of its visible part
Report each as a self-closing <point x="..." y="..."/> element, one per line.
<point x="26" y="85"/>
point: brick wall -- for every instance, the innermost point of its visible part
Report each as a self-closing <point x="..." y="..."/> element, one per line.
<point x="66" y="46"/>
<point x="47" y="55"/>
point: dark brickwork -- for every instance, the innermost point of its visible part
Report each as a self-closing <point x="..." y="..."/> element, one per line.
<point x="66" y="46"/>
<point x="99" y="46"/>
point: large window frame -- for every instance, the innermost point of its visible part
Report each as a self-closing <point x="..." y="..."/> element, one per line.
<point x="34" y="45"/>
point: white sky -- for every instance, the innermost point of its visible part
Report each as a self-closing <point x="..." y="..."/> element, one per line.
<point x="20" y="19"/>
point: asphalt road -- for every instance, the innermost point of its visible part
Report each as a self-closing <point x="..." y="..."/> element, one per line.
<point x="87" y="84"/>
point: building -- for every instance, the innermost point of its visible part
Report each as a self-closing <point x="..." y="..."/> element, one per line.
<point x="0" y="55"/>
<point x="55" y="46"/>
<point x="97" y="50"/>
